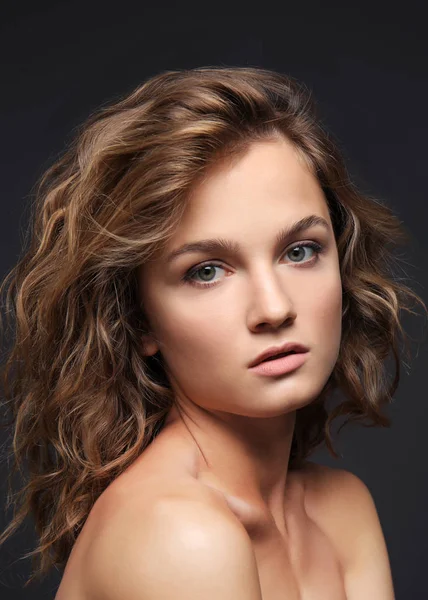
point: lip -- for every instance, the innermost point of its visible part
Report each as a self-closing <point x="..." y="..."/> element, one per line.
<point x="280" y="366"/>
<point x="287" y="347"/>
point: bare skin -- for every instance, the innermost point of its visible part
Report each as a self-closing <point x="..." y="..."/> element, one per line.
<point x="258" y="296"/>
<point x="299" y="562"/>
<point x="227" y="439"/>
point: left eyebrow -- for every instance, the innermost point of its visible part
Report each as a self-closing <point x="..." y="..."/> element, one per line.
<point x="231" y="247"/>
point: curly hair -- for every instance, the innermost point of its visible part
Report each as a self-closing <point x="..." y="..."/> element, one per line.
<point x="84" y="401"/>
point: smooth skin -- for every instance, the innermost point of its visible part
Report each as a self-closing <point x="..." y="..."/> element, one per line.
<point x="192" y="549"/>
<point x="259" y="296"/>
<point x="148" y="542"/>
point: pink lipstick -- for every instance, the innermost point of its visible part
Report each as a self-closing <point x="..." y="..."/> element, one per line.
<point x="281" y="365"/>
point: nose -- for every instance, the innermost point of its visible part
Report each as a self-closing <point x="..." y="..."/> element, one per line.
<point x="270" y="303"/>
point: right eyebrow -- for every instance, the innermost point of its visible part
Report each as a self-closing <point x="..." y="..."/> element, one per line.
<point x="232" y="247"/>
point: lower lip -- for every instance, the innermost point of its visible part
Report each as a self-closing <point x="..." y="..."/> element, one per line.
<point x="279" y="366"/>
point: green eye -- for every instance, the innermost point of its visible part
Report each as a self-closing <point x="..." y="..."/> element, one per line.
<point x="189" y="276"/>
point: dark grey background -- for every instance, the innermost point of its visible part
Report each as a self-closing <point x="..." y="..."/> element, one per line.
<point x="367" y="67"/>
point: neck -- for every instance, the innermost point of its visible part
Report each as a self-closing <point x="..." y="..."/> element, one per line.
<point x="244" y="457"/>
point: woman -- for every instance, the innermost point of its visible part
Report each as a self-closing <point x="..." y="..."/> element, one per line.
<point x="195" y="232"/>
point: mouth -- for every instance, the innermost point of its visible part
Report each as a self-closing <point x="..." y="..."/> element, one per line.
<point x="280" y="355"/>
<point x="274" y="353"/>
<point x="280" y="364"/>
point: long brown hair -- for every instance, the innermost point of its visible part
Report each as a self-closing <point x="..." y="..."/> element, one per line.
<point x="84" y="401"/>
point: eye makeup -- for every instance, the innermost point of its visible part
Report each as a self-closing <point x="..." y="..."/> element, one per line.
<point x="190" y="273"/>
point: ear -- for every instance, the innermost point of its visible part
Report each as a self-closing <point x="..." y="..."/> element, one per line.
<point x="150" y="346"/>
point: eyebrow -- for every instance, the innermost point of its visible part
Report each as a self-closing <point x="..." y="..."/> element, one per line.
<point x="231" y="247"/>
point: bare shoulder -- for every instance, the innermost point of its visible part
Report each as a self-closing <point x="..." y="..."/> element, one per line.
<point x="343" y="506"/>
<point x="179" y="547"/>
<point x="339" y="500"/>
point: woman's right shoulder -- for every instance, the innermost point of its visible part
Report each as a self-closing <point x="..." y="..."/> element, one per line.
<point x="120" y="507"/>
<point x="183" y="535"/>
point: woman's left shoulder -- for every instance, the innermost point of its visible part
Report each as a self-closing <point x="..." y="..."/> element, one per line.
<point x="343" y="507"/>
<point x="318" y="478"/>
<point x="332" y="491"/>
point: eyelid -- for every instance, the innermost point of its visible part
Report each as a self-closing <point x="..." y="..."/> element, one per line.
<point x="318" y="247"/>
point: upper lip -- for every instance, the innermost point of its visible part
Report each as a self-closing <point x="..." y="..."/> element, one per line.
<point x="287" y="347"/>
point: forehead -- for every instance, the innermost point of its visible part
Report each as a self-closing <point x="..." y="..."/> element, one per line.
<point x="268" y="186"/>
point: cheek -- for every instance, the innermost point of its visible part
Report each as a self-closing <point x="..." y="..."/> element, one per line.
<point x="325" y="304"/>
<point x="186" y="332"/>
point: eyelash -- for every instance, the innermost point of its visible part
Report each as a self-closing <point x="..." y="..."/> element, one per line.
<point x="318" y="248"/>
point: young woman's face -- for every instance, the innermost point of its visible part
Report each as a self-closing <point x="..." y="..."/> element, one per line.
<point x="213" y="311"/>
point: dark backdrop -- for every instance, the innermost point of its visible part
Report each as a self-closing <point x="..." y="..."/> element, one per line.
<point x="367" y="67"/>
